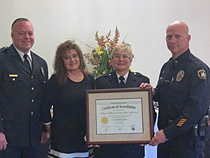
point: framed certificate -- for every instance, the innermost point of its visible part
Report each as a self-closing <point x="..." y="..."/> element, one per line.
<point x="119" y="116"/>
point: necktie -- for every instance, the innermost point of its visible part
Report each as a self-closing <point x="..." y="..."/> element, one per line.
<point x="122" y="83"/>
<point x="26" y="62"/>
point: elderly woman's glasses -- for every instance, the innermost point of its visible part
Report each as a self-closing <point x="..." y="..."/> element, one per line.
<point x="123" y="56"/>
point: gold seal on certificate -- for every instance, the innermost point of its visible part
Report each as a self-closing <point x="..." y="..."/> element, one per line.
<point x="104" y="120"/>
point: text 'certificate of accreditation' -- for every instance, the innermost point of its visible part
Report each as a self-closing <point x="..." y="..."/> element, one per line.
<point x="119" y="116"/>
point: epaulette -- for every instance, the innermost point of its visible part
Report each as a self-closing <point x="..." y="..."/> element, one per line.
<point x="3" y="48"/>
<point x="138" y="74"/>
<point x="107" y="74"/>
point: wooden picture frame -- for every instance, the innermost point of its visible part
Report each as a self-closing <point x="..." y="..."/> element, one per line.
<point x="119" y="116"/>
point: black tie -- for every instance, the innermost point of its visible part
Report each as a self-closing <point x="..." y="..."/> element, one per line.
<point x="26" y="62"/>
<point x="122" y="83"/>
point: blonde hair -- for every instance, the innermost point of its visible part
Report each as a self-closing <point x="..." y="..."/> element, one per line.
<point x="122" y="47"/>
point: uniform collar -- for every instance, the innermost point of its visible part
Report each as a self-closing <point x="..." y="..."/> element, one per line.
<point x="179" y="60"/>
<point x="22" y="54"/>
<point x="125" y="77"/>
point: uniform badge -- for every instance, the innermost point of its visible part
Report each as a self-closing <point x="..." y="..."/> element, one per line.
<point x="180" y="76"/>
<point x="202" y="74"/>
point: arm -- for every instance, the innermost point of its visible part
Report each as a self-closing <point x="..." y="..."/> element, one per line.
<point x="196" y="107"/>
<point x="46" y="104"/>
<point x="3" y="141"/>
<point x="197" y="101"/>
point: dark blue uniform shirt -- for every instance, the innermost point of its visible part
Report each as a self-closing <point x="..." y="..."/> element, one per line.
<point x="183" y="93"/>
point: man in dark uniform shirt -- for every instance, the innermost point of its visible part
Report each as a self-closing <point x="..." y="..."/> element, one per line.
<point x="22" y="79"/>
<point x="121" y="61"/>
<point x="183" y="93"/>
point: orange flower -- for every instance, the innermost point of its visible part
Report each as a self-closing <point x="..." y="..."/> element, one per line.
<point x="100" y="57"/>
<point x="110" y="63"/>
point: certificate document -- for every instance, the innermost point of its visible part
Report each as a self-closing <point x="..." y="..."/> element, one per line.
<point x="120" y="116"/>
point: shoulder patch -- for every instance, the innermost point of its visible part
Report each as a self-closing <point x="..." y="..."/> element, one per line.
<point x="202" y="74"/>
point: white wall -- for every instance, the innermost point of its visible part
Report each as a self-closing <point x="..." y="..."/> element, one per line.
<point x="145" y="21"/>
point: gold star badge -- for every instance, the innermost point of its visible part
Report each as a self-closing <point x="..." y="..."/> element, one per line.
<point x="202" y="74"/>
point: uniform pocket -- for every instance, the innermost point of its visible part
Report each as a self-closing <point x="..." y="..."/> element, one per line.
<point x="11" y="83"/>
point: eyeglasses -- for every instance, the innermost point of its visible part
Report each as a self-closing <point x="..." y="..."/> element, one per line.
<point x="123" y="56"/>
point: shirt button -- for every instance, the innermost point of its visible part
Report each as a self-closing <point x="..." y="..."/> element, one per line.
<point x="32" y="76"/>
<point x="32" y="88"/>
<point x="32" y="113"/>
<point x="32" y="100"/>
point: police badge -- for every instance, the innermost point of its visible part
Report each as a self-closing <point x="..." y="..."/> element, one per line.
<point x="180" y="76"/>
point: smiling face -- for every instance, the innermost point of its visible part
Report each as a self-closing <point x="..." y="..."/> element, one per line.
<point x="23" y="35"/>
<point x="71" y="60"/>
<point x="177" y="38"/>
<point x="121" y="62"/>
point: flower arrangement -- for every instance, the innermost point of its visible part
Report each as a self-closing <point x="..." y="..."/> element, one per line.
<point x="100" y="57"/>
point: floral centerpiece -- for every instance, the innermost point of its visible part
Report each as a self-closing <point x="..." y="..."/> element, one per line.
<point x="100" y="57"/>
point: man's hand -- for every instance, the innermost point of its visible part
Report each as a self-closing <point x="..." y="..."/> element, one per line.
<point x="143" y="85"/>
<point x="159" y="138"/>
<point x="45" y="137"/>
<point x="3" y="141"/>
